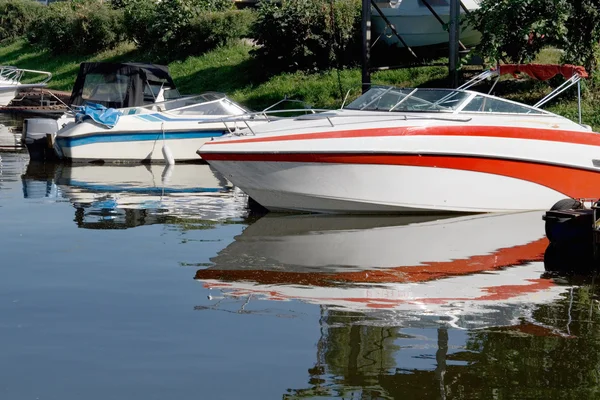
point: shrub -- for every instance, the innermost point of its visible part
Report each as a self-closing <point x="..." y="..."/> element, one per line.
<point x="516" y="30"/>
<point x="212" y="29"/>
<point x="308" y="34"/>
<point x="172" y="29"/>
<point x="78" y="27"/>
<point x="583" y="34"/>
<point x="16" y="17"/>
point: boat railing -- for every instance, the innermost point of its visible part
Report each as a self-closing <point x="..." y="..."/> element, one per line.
<point x="321" y="115"/>
<point x="14" y="74"/>
<point x="574" y="74"/>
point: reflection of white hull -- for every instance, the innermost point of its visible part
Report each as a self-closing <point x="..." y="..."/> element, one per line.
<point x="418" y="27"/>
<point x="187" y="191"/>
<point x="464" y="265"/>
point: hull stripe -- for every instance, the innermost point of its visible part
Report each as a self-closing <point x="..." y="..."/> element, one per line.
<point x="572" y="182"/>
<point x="554" y="135"/>
<point x="133" y="137"/>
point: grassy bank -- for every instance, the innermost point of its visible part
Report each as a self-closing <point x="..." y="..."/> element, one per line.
<point x="234" y="71"/>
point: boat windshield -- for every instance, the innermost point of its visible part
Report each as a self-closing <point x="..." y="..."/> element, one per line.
<point x="402" y="100"/>
<point x="436" y="100"/>
<point x="207" y="104"/>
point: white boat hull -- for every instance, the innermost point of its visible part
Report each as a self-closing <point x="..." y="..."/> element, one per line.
<point x="418" y="26"/>
<point x="282" y="186"/>
<point x="418" y="31"/>
<point x="143" y="150"/>
<point x="146" y="134"/>
<point x="7" y="94"/>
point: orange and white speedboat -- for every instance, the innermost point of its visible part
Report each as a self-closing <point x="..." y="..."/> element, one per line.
<point x="418" y="150"/>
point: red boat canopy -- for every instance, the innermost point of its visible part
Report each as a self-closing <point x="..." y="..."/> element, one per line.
<point x="543" y="72"/>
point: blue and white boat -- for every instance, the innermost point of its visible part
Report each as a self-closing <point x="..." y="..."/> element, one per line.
<point x="155" y="133"/>
<point x="112" y="85"/>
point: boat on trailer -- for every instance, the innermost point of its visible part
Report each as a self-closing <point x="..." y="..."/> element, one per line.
<point x="417" y="150"/>
<point x="10" y="82"/>
<point x="416" y="21"/>
<point x="112" y="85"/>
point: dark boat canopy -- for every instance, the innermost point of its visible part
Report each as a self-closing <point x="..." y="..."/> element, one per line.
<point x="119" y="85"/>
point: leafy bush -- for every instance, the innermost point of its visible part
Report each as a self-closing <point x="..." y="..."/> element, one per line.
<point x="171" y="29"/>
<point x="516" y="30"/>
<point x="139" y="18"/>
<point x="583" y="34"/>
<point x="16" y="17"/>
<point x="212" y="29"/>
<point x="308" y="34"/>
<point x="78" y="27"/>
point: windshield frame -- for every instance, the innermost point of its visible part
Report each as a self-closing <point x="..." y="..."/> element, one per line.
<point x="407" y="94"/>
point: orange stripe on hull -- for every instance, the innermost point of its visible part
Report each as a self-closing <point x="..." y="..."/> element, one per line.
<point x="553" y="135"/>
<point x="572" y="182"/>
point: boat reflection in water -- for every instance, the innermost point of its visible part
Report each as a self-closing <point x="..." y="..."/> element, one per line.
<point x="477" y="270"/>
<point x="126" y="196"/>
<point x="395" y="296"/>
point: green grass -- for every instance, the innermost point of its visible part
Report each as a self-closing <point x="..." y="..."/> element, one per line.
<point x="234" y="71"/>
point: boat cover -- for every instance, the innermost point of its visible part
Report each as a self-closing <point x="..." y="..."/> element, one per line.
<point x="107" y="117"/>
<point x="544" y="72"/>
<point x="135" y="74"/>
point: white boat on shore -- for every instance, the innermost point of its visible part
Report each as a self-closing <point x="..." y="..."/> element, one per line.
<point x="10" y="82"/>
<point x="414" y="150"/>
<point x="417" y="25"/>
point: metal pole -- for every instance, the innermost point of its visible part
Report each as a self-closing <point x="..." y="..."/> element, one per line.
<point x="393" y="28"/>
<point x="579" y="99"/>
<point x="366" y="45"/>
<point x="453" y="33"/>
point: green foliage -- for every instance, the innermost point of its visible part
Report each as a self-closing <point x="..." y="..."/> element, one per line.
<point x="139" y="18"/>
<point x="308" y="34"/>
<point x="82" y="27"/>
<point x="516" y="30"/>
<point x="583" y="34"/>
<point x="16" y="16"/>
<point x="173" y="29"/>
<point x="212" y="29"/>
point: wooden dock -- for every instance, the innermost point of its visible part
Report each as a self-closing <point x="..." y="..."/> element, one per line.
<point x="38" y="101"/>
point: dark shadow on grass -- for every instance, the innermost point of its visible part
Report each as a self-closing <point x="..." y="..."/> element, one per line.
<point x="226" y="79"/>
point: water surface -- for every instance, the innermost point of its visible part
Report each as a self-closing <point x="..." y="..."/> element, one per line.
<point x="149" y="282"/>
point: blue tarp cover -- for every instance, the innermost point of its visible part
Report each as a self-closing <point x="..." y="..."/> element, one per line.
<point x="107" y="117"/>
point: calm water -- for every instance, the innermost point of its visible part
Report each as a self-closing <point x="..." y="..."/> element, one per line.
<point x="153" y="283"/>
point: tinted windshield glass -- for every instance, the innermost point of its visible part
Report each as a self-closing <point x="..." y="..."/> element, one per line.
<point x="493" y="105"/>
<point x="436" y="100"/>
<point x="106" y="89"/>
<point x="403" y="100"/>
